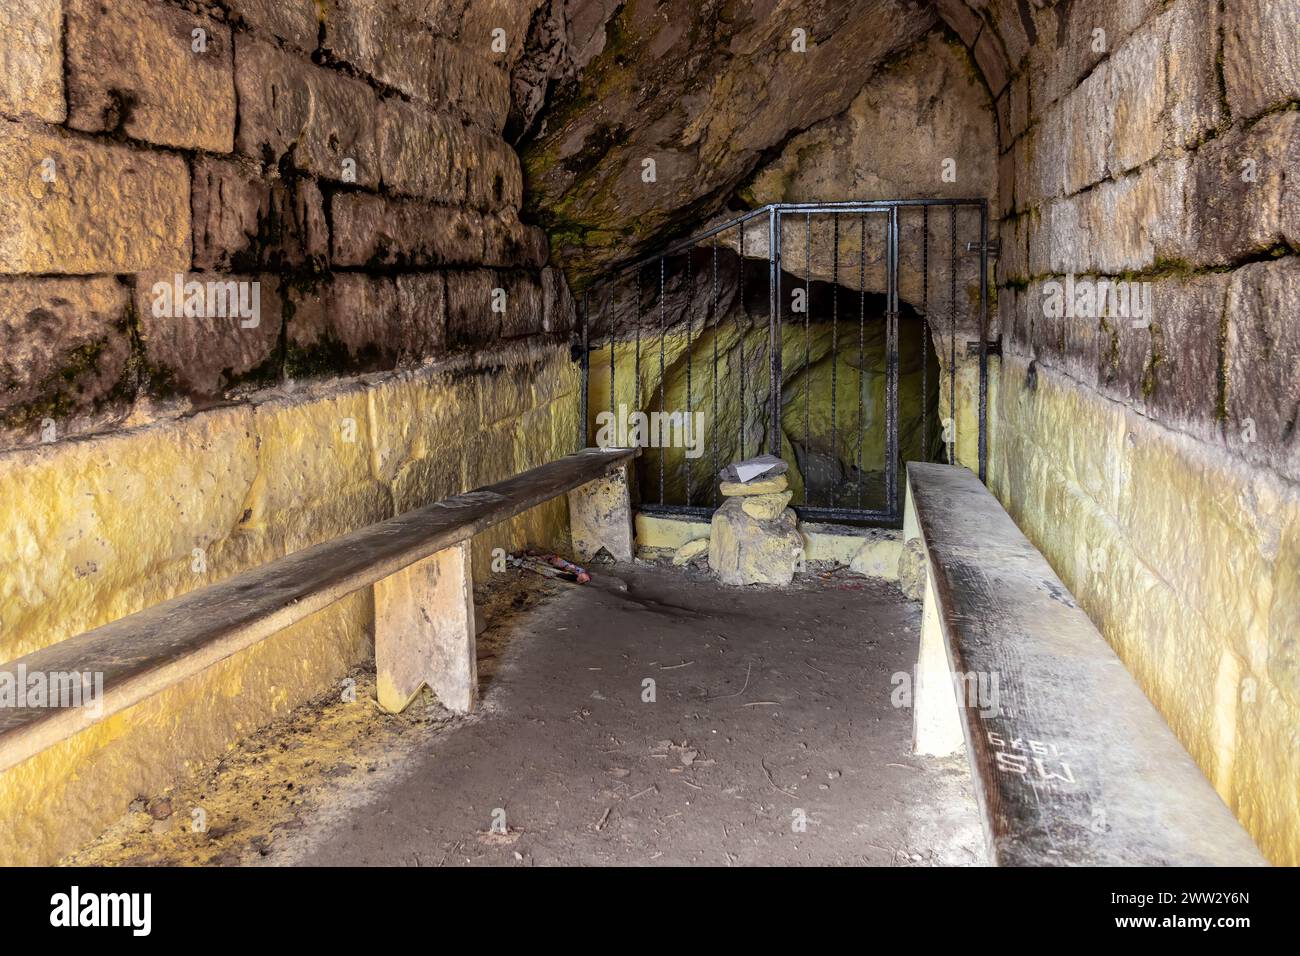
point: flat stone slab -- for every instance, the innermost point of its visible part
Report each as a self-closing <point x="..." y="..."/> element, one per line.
<point x="768" y="486"/>
<point x="766" y="507"/>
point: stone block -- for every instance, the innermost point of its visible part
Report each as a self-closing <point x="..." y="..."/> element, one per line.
<point x="325" y="122"/>
<point x="1132" y="128"/>
<point x="315" y="480"/>
<point x="695" y="548"/>
<point x="1243" y="199"/>
<point x="559" y="311"/>
<point x="766" y="507"/>
<point x="1088" y="118"/>
<point x="1019" y="109"/>
<point x="1183" y="387"/>
<point x="1013" y="264"/>
<point x="1133" y="223"/>
<point x="123" y="540"/>
<point x="1057" y="67"/>
<point x="1261" y="59"/>
<point x="465" y="82"/>
<point x="155" y="72"/>
<point x="64" y="348"/>
<point x="361" y="322"/>
<point x="244" y="220"/>
<point x="416" y="148"/>
<point x="230" y="335"/>
<point x="31" y="60"/>
<point x="1006" y="184"/>
<point x="964" y="20"/>
<point x="481" y="19"/>
<point x="376" y="231"/>
<point x="1194" y="107"/>
<point x="511" y="243"/>
<point x="88" y="206"/>
<point x="433" y="156"/>
<point x="1125" y="360"/>
<point x="525" y="306"/>
<point x="381" y="39"/>
<point x="490" y="170"/>
<point x="992" y="60"/>
<point x="1262" y="364"/>
<point x="470" y="319"/>
<point x="297" y="22"/>
<point x="763" y="486"/>
<point x="390" y="43"/>
<point x="912" y="570"/>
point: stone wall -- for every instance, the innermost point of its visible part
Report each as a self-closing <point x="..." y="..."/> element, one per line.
<point x="347" y="157"/>
<point x="1156" y="460"/>
<point x="100" y="529"/>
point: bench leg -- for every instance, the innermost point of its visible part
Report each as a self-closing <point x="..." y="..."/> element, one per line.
<point x="600" y="515"/>
<point x="424" y="632"/>
<point x="936" y="722"/>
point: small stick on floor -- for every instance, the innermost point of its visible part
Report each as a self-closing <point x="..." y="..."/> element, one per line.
<point x="763" y="763"/>
<point x="739" y="692"/>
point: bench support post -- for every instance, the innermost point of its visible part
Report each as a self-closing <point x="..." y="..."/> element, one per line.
<point x="936" y="721"/>
<point x="600" y="515"/>
<point x="424" y="632"/>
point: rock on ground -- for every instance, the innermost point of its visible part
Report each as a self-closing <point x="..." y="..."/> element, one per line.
<point x="748" y="550"/>
<point x="911" y="570"/>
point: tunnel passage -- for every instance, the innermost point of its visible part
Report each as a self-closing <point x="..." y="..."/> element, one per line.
<point x="386" y="172"/>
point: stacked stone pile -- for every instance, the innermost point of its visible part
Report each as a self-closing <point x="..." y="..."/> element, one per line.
<point x="755" y="537"/>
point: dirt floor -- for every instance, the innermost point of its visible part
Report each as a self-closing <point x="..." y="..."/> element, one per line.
<point x="767" y="736"/>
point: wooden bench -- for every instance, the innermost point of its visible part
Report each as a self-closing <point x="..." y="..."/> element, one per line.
<point x="417" y="562"/>
<point x="1072" y="763"/>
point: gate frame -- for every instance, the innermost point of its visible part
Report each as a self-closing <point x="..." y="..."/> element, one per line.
<point x="892" y="513"/>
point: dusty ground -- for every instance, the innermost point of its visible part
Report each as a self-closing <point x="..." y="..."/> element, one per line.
<point x="770" y="739"/>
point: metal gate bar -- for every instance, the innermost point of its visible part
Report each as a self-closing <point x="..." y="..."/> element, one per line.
<point x="685" y="275"/>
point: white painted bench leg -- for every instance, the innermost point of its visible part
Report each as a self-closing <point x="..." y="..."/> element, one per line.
<point x="911" y="526"/>
<point x="600" y="515"/>
<point x="936" y="722"/>
<point x="424" y="632"/>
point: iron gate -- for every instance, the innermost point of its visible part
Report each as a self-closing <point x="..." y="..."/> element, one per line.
<point x="674" y="315"/>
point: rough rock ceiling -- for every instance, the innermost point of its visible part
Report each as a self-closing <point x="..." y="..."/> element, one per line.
<point x="711" y="90"/>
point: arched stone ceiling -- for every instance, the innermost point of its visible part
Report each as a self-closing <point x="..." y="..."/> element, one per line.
<point x="712" y="91"/>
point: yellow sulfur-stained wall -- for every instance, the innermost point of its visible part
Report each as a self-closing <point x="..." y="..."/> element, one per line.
<point x="1188" y="562"/>
<point x="95" y="529"/>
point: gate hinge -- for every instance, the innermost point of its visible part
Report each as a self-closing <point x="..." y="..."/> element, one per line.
<point x="994" y="247"/>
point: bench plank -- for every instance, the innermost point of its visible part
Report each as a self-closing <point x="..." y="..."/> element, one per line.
<point x="1074" y="765"/>
<point x="146" y="652"/>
